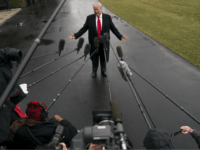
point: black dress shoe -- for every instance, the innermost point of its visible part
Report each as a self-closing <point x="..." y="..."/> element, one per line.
<point x="93" y="74"/>
<point x="104" y="74"/>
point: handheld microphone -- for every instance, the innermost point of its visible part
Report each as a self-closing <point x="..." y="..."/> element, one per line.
<point x="176" y="133"/>
<point x="115" y="110"/>
<point x="80" y="44"/>
<point x="119" y="52"/>
<point x="101" y="38"/>
<point x="96" y="44"/>
<point x="61" y="46"/>
<point x="87" y="50"/>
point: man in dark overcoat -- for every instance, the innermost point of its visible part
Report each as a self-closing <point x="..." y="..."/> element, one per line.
<point x="97" y="24"/>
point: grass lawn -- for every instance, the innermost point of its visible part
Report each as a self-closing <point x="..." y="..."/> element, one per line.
<point x="173" y="23"/>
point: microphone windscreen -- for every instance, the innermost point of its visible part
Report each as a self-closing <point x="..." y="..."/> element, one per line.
<point x="96" y="42"/>
<point x="106" y="36"/>
<point x="115" y="110"/>
<point x="61" y="44"/>
<point x="80" y="43"/>
<point x="119" y="51"/>
<point x="87" y="49"/>
<point x="101" y="38"/>
<point x="121" y="71"/>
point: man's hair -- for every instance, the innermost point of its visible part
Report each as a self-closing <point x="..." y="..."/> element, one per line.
<point x="98" y="3"/>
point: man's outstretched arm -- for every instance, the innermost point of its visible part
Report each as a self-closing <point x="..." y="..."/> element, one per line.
<point x="80" y="32"/>
<point x="116" y="32"/>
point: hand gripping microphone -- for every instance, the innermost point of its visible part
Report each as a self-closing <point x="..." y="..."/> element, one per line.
<point x="80" y="44"/>
<point x="115" y="110"/>
<point x="87" y="50"/>
<point x="61" y="46"/>
<point x="101" y="38"/>
<point x="96" y="44"/>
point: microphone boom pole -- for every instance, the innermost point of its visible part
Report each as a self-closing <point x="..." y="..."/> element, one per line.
<point x="54" y="100"/>
<point x="134" y="93"/>
<point x="104" y="49"/>
<point x="44" y="64"/>
<point x="42" y="55"/>
<point x="30" y="85"/>
<point x="190" y="115"/>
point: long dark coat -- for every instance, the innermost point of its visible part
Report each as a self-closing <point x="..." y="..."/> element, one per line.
<point x="90" y="25"/>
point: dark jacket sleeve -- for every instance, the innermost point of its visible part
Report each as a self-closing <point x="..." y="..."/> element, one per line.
<point x="196" y="135"/>
<point x="69" y="131"/>
<point x="5" y="118"/>
<point x="82" y="30"/>
<point x="114" y="29"/>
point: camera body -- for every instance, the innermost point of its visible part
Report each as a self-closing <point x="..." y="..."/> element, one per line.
<point x="104" y="130"/>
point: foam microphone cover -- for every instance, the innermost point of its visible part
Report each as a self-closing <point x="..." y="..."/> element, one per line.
<point x="106" y="36"/>
<point x="101" y="38"/>
<point x="61" y="44"/>
<point x="87" y="49"/>
<point x="80" y="43"/>
<point x="115" y="110"/>
<point x="119" y="51"/>
<point x="96" y="42"/>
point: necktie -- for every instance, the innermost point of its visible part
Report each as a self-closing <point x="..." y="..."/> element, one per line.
<point x="99" y="28"/>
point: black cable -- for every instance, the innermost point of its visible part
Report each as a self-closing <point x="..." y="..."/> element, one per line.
<point x="44" y="64"/>
<point x="168" y="98"/>
<point x="42" y="55"/>
<point x="34" y="83"/>
<point x="54" y="100"/>
<point x="134" y="93"/>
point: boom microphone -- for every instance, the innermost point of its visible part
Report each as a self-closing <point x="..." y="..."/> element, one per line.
<point x="87" y="50"/>
<point x="61" y="46"/>
<point x="80" y="44"/>
<point x="119" y="52"/>
<point x="101" y="38"/>
<point x="106" y="36"/>
<point x="115" y="110"/>
<point x="96" y="44"/>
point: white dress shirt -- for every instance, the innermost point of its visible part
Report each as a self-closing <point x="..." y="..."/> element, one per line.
<point x="100" y="21"/>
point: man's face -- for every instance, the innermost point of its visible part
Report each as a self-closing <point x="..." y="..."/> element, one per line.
<point x="97" y="10"/>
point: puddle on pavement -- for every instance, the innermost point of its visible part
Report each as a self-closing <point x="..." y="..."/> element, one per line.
<point x="46" y="42"/>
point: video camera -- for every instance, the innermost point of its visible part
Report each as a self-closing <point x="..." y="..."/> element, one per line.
<point x="104" y="130"/>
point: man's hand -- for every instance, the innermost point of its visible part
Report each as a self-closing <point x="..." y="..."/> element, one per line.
<point x="71" y="36"/>
<point x="124" y="38"/>
<point x="186" y="129"/>
<point x="57" y="118"/>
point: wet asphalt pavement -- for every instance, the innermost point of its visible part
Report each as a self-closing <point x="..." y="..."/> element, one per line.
<point x="170" y="73"/>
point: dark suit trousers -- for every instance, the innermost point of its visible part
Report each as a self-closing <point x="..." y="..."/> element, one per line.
<point x="95" y="60"/>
